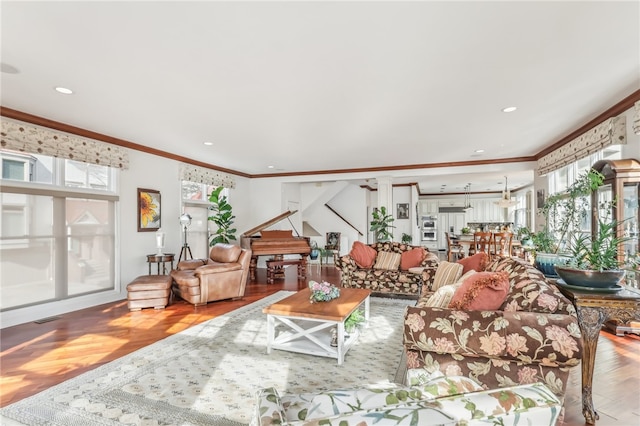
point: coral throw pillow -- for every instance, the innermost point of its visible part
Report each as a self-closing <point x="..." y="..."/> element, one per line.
<point x="412" y="258"/>
<point x="363" y="255"/>
<point x="387" y="260"/>
<point x="484" y="291"/>
<point x="477" y="262"/>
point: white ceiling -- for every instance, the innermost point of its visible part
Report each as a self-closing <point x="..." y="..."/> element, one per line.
<point x="312" y="86"/>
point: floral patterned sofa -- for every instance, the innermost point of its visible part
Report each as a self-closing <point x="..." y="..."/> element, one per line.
<point x="533" y="336"/>
<point x="438" y="400"/>
<point x="397" y="281"/>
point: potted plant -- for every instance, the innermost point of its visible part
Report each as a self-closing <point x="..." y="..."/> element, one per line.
<point x="353" y="321"/>
<point x="406" y="238"/>
<point x="222" y="216"/>
<point x="593" y="259"/>
<point x="381" y="224"/>
<point x="590" y="258"/>
<point x="564" y="214"/>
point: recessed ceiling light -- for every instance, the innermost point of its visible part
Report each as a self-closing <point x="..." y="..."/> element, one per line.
<point x="64" y="90"/>
<point x="207" y="143"/>
<point x="271" y="167"/>
<point x="479" y="151"/>
<point x="509" y="109"/>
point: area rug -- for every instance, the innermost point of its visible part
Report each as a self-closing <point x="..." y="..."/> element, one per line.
<point x="208" y="374"/>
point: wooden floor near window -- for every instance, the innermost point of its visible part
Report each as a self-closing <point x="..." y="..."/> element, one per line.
<point x="35" y="356"/>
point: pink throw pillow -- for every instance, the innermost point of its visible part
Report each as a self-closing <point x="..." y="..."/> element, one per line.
<point x="477" y="262"/>
<point x="412" y="258"/>
<point x="483" y="291"/>
<point x="363" y="255"/>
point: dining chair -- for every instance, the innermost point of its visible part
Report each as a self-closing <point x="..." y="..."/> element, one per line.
<point x="502" y="244"/>
<point x="482" y="242"/>
<point x="454" y="250"/>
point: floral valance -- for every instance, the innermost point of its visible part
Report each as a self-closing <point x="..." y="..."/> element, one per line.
<point x="32" y="139"/>
<point x="636" y="119"/>
<point x="611" y="132"/>
<point x="206" y="176"/>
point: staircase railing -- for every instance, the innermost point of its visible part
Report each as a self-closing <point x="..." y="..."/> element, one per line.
<point x="345" y="220"/>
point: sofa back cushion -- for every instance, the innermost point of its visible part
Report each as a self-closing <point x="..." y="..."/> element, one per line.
<point x="483" y="291"/>
<point x="412" y="258"/>
<point x="225" y="253"/>
<point x="363" y="255"/>
<point x="387" y="260"/>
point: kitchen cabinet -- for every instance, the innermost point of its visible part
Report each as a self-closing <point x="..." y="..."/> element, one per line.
<point x="485" y="211"/>
<point x="428" y="208"/>
<point x="451" y="223"/>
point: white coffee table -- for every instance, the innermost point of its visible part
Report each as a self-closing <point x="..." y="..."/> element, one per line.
<point x="306" y="327"/>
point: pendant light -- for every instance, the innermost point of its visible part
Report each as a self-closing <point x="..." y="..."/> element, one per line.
<point x="506" y="200"/>
<point x="467" y="197"/>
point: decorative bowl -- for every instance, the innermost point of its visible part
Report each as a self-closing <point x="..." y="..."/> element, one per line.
<point x="590" y="278"/>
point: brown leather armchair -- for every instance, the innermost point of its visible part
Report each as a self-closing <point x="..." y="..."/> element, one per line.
<point x="222" y="276"/>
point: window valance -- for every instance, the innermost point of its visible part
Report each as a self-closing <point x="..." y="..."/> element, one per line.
<point x="32" y="139"/>
<point x="610" y="132"/>
<point x="207" y="176"/>
<point x="636" y="119"/>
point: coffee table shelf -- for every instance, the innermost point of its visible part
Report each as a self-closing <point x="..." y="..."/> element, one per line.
<point x="296" y="325"/>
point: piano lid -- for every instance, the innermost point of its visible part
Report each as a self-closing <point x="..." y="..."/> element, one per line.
<point x="268" y="223"/>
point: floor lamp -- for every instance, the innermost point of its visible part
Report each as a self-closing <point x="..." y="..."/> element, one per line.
<point x="185" y="221"/>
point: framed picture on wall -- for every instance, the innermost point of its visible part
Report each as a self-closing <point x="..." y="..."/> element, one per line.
<point x="540" y="198"/>
<point x="333" y="241"/>
<point x="148" y="210"/>
<point x="402" y="211"/>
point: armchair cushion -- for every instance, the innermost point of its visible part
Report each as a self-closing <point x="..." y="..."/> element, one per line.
<point x="225" y="253"/>
<point x="387" y="260"/>
<point x="363" y="255"/>
<point x="483" y="291"/>
<point x="412" y="258"/>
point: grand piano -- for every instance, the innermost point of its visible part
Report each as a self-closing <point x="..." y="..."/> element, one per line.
<point x="275" y="243"/>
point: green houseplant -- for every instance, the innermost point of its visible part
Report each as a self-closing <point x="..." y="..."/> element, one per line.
<point x="591" y="258"/>
<point x="381" y="224"/>
<point x="564" y="213"/>
<point x="406" y="238"/>
<point x="222" y="215"/>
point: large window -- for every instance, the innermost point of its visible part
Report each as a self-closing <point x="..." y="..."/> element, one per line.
<point x="57" y="229"/>
<point x="195" y="202"/>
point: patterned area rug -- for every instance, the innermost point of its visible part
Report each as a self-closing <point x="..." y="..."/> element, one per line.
<point x="208" y="374"/>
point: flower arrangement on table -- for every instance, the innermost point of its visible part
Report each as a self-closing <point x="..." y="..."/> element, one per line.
<point x="323" y="291"/>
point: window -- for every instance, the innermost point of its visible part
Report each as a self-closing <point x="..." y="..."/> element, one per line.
<point x="195" y="202"/>
<point x="55" y="242"/>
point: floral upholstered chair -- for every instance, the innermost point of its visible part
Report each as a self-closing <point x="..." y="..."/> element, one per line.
<point x="532" y="337"/>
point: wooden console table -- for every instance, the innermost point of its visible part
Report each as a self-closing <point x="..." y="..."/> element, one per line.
<point x="593" y="310"/>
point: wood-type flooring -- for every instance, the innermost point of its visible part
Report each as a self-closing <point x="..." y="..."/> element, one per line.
<point x="34" y="357"/>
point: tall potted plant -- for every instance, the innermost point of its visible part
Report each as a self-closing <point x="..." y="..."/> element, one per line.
<point x="564" y="214"/>
<point x="381" y="224"/>
<point x="222" y="216"/>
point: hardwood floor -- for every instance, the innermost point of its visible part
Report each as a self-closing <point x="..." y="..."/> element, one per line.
<point x="34" y="357"/>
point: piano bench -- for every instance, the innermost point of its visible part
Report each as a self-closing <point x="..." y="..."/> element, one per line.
<point x="274" y="268"/>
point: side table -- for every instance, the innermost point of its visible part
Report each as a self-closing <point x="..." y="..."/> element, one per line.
<point x="594" y="309"/>
<point x="160" y="259"/>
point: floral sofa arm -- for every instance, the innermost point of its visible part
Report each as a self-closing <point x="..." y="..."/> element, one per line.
<point x="447" y="401"/>
<point x="527" y="337"/>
